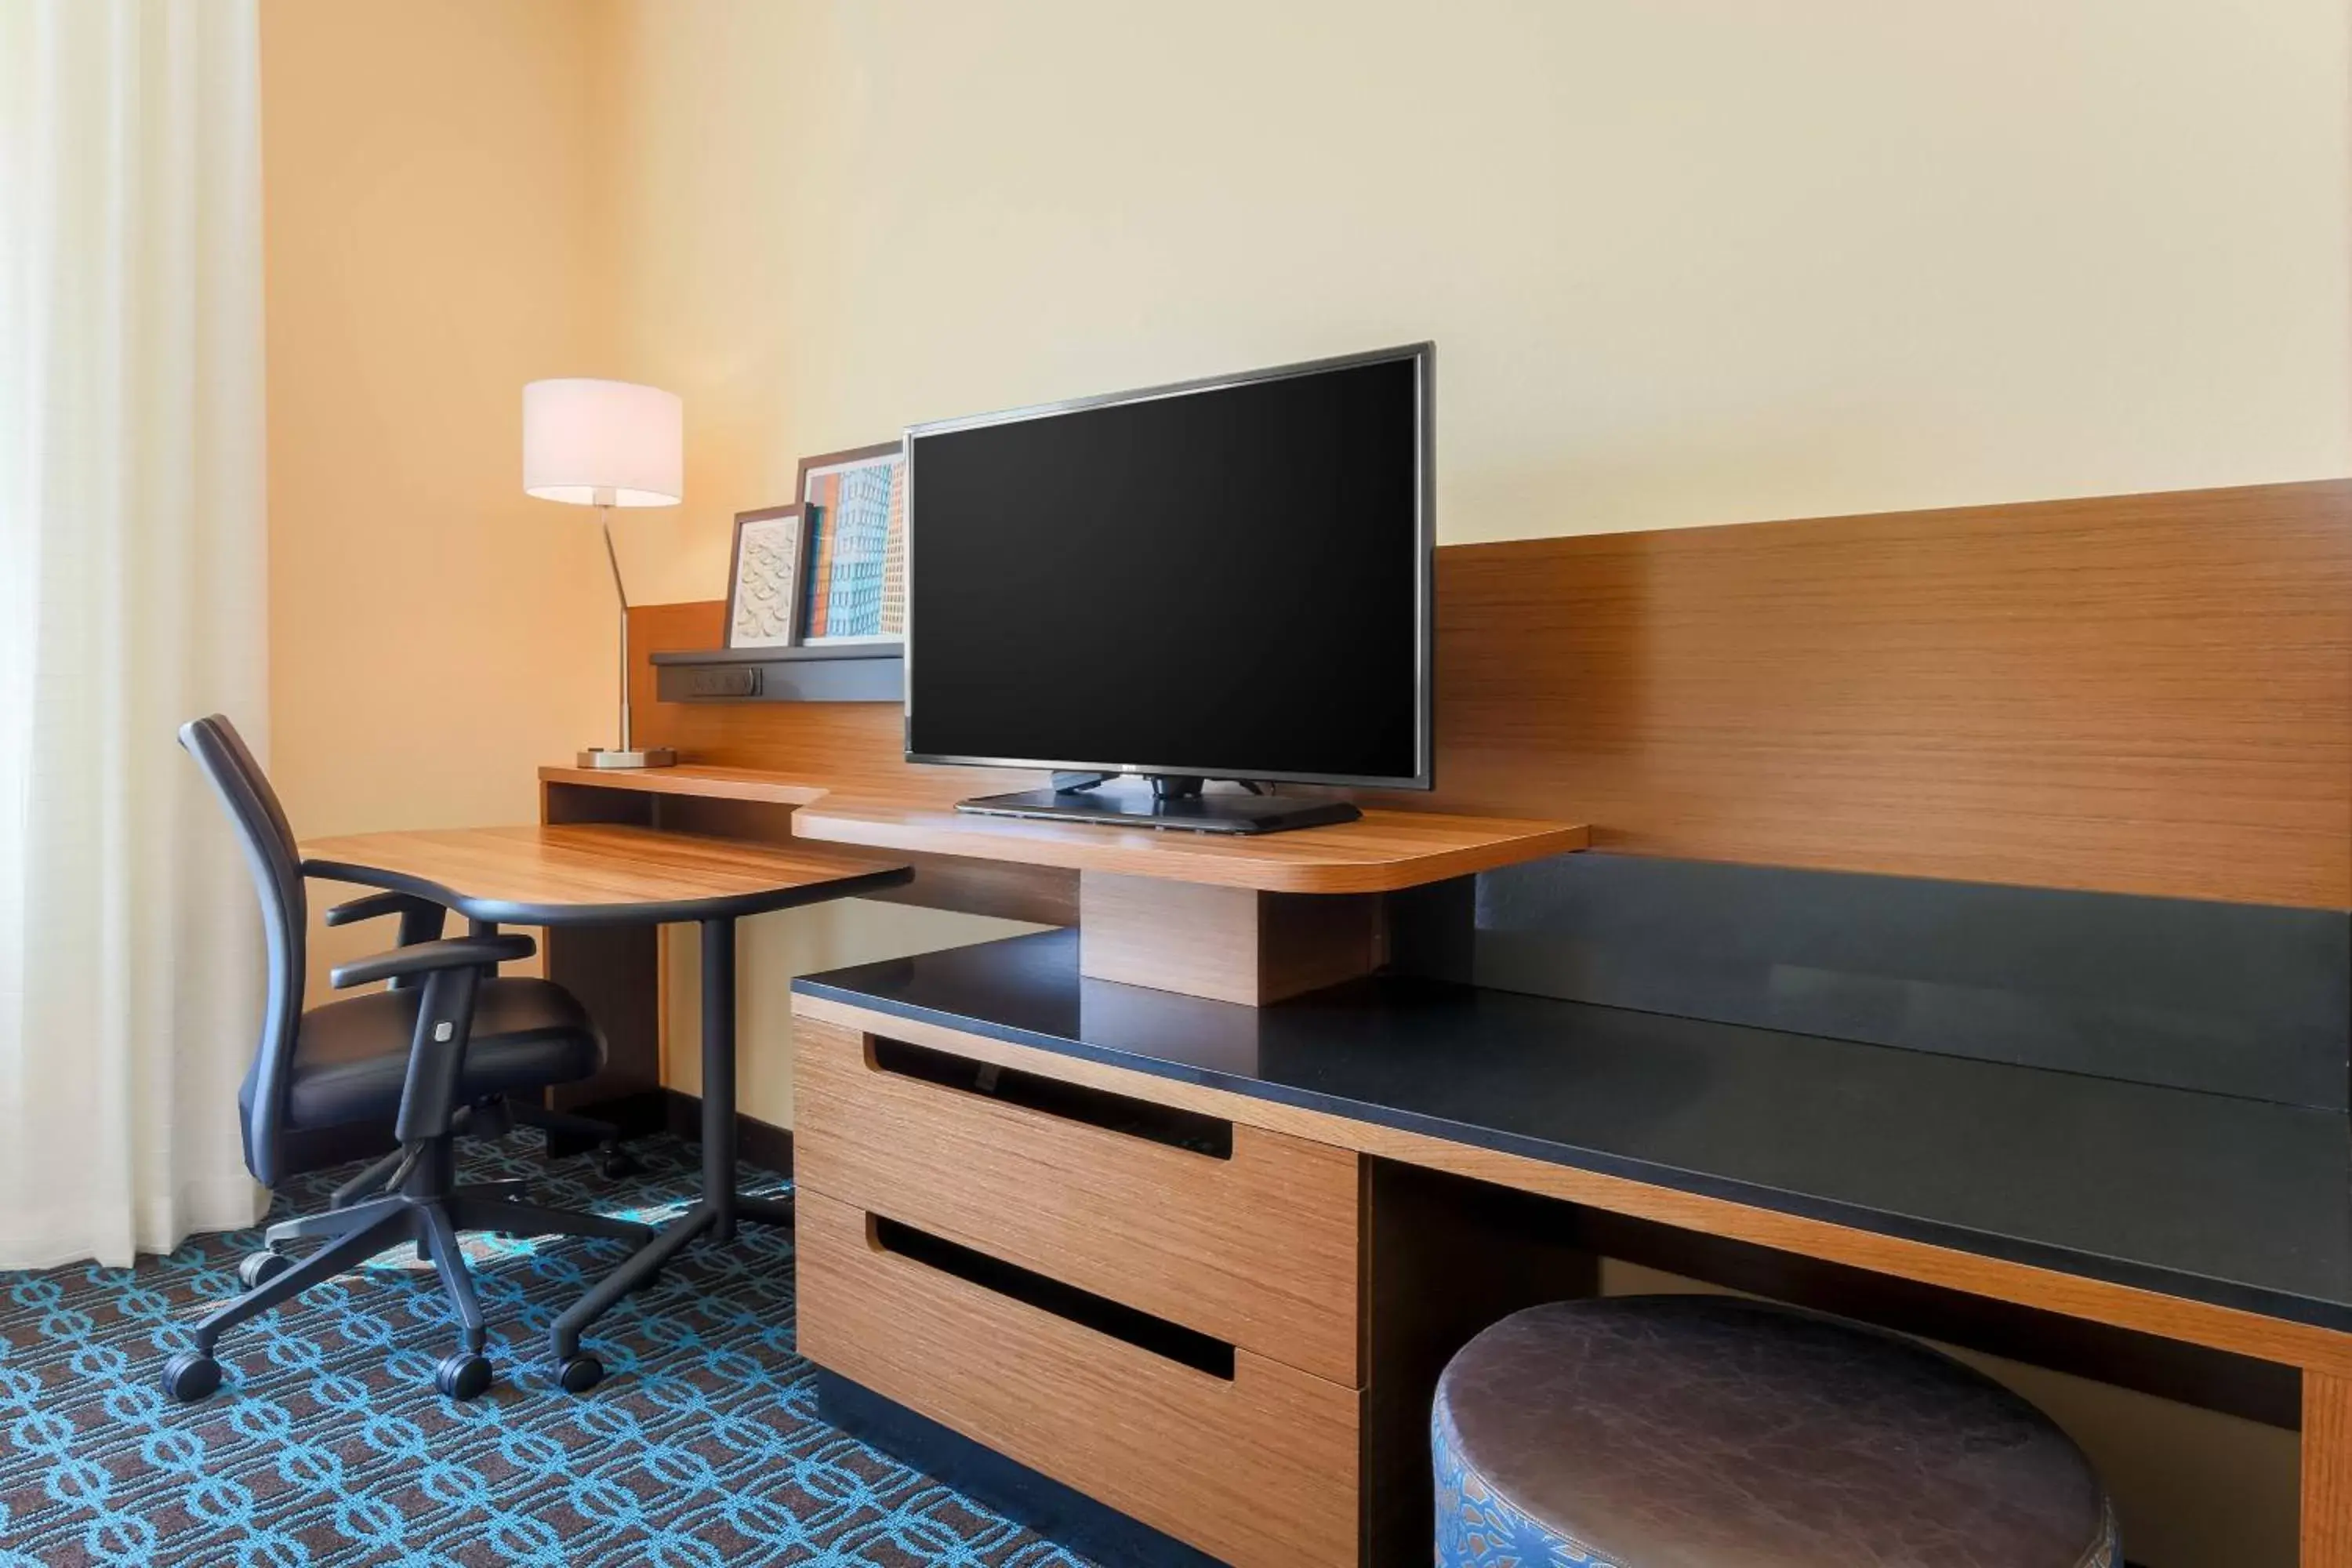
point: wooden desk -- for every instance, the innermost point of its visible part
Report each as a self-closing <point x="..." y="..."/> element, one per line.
<point x="589" y="875"/>
<point x="2213" y="1224"/>
<point x="595" y="875"/>
<point x="1386" y="851"/>
<point x="2132" y="695"/>
<point x="1251" y="918"/>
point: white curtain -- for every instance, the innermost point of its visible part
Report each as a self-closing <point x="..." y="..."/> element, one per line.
<point x="133" y="595"/>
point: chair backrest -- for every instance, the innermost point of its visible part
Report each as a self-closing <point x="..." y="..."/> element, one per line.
<point x="277" y="864"/>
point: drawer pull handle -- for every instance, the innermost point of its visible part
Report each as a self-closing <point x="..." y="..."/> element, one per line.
<point x="1187" y="1130"/>
<point x="1189" y="1347"/>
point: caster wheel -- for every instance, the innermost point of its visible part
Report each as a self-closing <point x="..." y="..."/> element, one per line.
<point x="579" y="1373"/>
<point x="190" y="1376"/>
<point x="463" y="1374"/>
<point x="612" y="1163"/>
<point x="255" y="1269"/>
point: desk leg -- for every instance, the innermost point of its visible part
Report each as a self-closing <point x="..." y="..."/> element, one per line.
<point x="721" y="1206"/>
<point x="718" y="1076"/>
<point x="2326" y="1470"/>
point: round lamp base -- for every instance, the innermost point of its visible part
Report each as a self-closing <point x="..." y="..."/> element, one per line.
<point x="652" y="757"/>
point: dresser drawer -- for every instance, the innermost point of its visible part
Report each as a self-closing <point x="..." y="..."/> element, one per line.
<point x="1254" y="1241"/>
<point x="1250" y="1461"/>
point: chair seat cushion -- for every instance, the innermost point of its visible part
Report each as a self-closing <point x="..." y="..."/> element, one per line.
<point x="351" y="1058"/>
<point x="1709" y="1432"/>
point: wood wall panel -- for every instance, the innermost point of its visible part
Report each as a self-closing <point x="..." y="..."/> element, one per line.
<point x="2143" y="694"/>
<point x="2146" y="694"/>
<point x="1259" y="1248"/>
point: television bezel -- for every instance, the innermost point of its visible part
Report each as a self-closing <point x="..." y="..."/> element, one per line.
<point x="1423" y="356"/>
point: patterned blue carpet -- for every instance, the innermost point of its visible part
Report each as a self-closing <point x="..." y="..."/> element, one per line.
<point x="327" y="1444"/>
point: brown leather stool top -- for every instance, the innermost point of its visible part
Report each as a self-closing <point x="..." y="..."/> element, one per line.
<point x="1711" y="1432"/>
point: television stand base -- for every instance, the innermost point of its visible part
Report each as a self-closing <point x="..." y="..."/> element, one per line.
<point x="1190" y="813"/>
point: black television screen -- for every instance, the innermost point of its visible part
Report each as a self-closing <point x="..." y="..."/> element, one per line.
<point x="1228" y="579"/>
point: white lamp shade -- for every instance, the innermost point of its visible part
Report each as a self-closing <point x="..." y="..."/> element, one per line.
<point x="603" y="443"/>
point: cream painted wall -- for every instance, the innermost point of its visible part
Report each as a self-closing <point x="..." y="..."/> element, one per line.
<point x="434" y="226"/>
<point x="1686" y="261"/>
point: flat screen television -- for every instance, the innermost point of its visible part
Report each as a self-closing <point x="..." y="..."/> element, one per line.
<point x="1223" y="580"/>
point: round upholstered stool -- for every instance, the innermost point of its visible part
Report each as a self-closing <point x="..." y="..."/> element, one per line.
<point x="1708" y="1432"/>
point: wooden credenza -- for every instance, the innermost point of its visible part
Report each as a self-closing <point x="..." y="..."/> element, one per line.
<point x="1015" y="1270"/>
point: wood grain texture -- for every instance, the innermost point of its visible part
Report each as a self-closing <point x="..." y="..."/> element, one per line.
<point x="1230" y="943"/>
<point x="2141" y="694"/>
<point x="578" y="868"/>
<point x="2124" y="1305"/>
<point x="1260" y="1471"/>
<point x="1259" y="1250"/>
<point x="706" y="782"/>
<point x="2326" y="1470"/>
<point x="1385" y="851"/>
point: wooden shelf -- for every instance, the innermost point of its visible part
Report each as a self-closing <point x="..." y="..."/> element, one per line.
<point x="834" y="672"/>
<point x="552" y="874"/>
<point x="692" y="779"/>
<point x="1388" y="850"/>
<point x="819" y="653"/>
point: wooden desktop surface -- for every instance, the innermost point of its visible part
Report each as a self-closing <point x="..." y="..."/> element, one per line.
<point x="702" y="781"/>
<point x="1387" y="850"/>
<point x="579" y="872"/>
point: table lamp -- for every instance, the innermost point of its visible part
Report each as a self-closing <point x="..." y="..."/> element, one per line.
<point x="606" y="444"/>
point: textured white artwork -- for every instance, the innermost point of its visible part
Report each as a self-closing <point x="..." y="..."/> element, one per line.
<point x="767" y="581"/>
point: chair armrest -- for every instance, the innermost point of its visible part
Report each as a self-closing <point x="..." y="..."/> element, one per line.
<point x="424" y="957"/>
<point x="375" y="906"/>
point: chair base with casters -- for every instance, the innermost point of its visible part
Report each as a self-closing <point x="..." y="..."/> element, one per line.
<point x="568" y="1135"/>
<point x="422" y="1207"/>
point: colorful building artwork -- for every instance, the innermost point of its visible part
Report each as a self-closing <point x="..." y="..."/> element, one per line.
<point x="858" y="578"/>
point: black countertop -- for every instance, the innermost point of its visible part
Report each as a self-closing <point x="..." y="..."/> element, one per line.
<point x="2235" y="1202"/>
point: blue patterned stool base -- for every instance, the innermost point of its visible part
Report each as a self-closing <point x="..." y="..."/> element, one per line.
<point x="328" y="1445"/>
<point x="1697" y="1430"/>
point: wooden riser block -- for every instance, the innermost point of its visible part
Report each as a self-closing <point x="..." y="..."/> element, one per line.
<point x="1231" y="944"/>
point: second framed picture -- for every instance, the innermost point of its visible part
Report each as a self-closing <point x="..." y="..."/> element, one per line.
<point x="856" y="545"/>
<point x="766" y="581"/>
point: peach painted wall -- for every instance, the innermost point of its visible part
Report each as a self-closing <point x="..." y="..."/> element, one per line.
<point x="436" y="233"/>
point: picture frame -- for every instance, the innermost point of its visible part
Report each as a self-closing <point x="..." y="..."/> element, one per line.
<point x="766" y="577"/>
<point x="854" y="589"/>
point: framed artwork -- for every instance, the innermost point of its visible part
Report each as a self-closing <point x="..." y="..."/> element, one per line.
<point x="764" y="582"/>
<point x="857" y="574"/>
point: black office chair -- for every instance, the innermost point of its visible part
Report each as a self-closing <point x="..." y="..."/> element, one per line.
<point x="434" y="1058"/>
